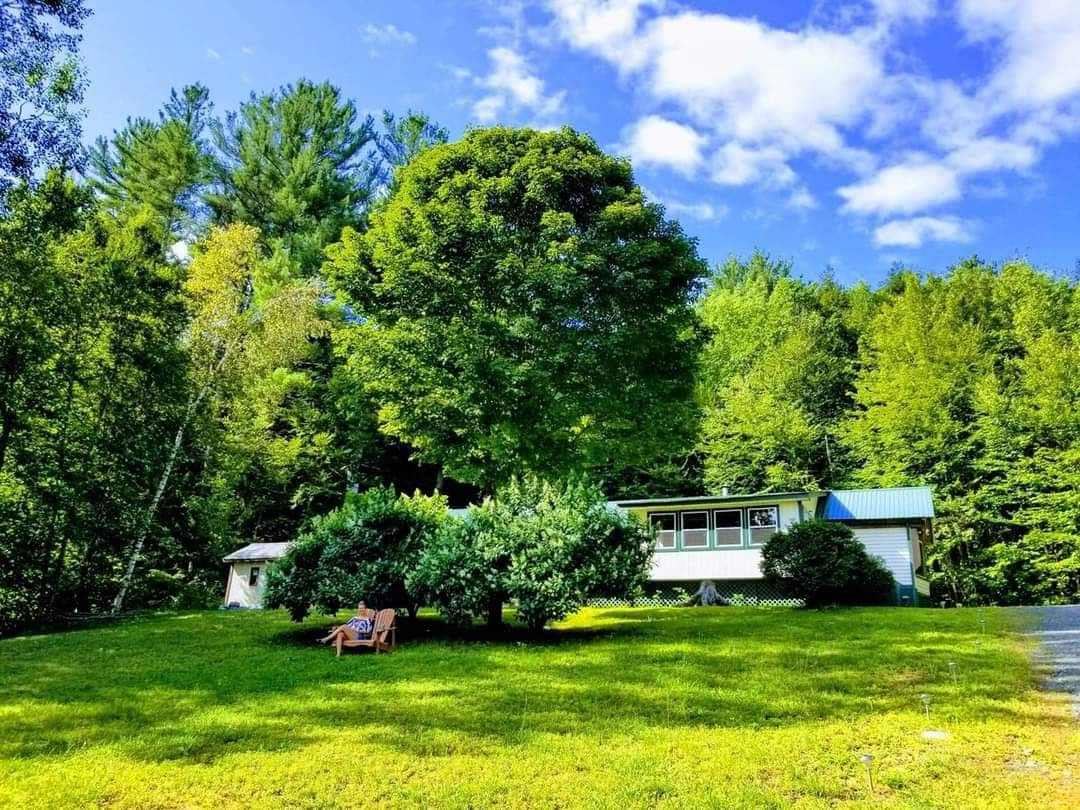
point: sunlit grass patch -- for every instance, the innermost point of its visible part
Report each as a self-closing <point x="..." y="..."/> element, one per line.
<point x="731" y="707"/>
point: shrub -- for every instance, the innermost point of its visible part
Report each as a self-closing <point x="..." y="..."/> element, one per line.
<point x="547" y="547"/>
<point x="823" y="564"/>
<point x="363" y="551"/>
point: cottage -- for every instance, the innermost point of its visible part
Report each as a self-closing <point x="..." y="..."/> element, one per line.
<point x="247" y="573"/>
<point x="719" y="537"/>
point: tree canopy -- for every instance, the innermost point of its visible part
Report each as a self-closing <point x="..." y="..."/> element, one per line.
<point x="525" y="308"/>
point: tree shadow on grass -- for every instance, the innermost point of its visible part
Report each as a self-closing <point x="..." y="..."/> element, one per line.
<point x="193" y="691"/>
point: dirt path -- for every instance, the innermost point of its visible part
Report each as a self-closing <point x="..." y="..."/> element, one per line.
<point x="1058" y="656"/>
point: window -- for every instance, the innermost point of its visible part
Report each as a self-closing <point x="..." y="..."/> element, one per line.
<point x="763" y="523"/>
<point x="664" y="526"/>
<point x="728" y="527"/>
<point x="695" y="529"/>
<point x="253" y="577"/>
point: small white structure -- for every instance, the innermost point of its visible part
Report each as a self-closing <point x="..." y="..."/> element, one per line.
<point x="247" y="573"/>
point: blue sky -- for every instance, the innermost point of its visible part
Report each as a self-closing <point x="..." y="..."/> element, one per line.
<point x="851" y="135"/>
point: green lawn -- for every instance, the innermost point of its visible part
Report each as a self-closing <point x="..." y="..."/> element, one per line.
<point x="730" y="708"/>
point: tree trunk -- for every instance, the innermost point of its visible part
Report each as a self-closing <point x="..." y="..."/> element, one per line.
<point x="148" y="518"/>
<point x="7" y="426"/>
<point x="46" y="586"/>
<point x="151" y="510"/>
<point x="494" y="616"/>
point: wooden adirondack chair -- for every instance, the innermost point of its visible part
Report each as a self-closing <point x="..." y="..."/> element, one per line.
<point x="383" y="636"/>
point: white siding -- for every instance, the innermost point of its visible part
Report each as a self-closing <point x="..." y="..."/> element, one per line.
<point x="238" y="589"/>
<point x="891" y="544"/>
<point x="733" y="563"/>
<point x="673" y="566"/>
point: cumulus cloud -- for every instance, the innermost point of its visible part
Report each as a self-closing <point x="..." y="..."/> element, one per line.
<point x="1040" y="38"/>
<point x="842" y="93"/>
<point x="903" y="188"/>
<point x="656" y="141"/>
<point x="912" y="233"/>
<point x="512" y="87"/>
<point x="736" y="165"/>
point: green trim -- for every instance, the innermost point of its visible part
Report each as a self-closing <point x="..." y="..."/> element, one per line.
<point x="710" y="537"/>
<point x="769" y="498"/>
<point x="742" y="530"/>
<point x="775" y="527"/>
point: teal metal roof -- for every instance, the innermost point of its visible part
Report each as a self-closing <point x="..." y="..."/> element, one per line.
<point x="895" y="503"/>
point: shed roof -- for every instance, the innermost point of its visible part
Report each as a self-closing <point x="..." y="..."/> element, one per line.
<point x="259" y="551"/>
<point x="894" y="503"/>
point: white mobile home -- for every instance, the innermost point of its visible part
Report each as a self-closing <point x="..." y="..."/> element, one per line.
<point x="247" y="573"/>
<point x="719" y="537"/>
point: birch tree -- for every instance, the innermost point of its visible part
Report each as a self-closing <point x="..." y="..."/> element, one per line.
<point x="247" y="323"/>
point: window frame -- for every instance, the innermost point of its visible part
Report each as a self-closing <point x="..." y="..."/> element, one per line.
<point x="674" y="530"/>
<point x="739" y="510"/>
<point x="681" y="539"/>
<point x="750" y="527"/>
<point x="253" y="575"/>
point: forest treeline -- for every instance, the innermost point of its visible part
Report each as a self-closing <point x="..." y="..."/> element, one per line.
<point x="213" y="326"/>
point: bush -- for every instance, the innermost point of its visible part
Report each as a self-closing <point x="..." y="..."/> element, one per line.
<point x="823" y="564"/>
<point x="547" y="547"/>
<point x="363" y="551"/>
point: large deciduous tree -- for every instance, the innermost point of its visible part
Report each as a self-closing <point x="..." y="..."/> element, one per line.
<point x="524" y="307"/>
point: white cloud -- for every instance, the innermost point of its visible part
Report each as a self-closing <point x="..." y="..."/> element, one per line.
<point x="903" y="188"/>
<point x="843" y="90"/>
<point x="736" y="165"/>
<point x="918" y="10"/>
<point x="654" y="140"/>
<point x="986" y="154"/>
<point x="912" y="233"/>
<point x="1040" y="39"/>
<point x="247" y="50"/>
<point x="763" y="85"/>
<point x="388" y="34"/>
<point x="606" y="27"/>
<point x="921" y="183"/>
<point x="801" y="199"/>
<point x="212" y="54"/>
<point x="513" y="86"/>
<point x="704" y="211"/>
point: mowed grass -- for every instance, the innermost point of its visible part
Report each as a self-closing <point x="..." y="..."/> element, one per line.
<point x="725" y="708"/>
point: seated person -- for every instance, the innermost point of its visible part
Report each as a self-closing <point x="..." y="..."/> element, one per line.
<point x="359" y="626"/>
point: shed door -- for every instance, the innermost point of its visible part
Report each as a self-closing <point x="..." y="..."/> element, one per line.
<point x="891" y="544"/>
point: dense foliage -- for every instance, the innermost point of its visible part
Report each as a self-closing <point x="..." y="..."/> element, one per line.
<point x="527" y="309"/>
<point x="41" y="86"/>
<point x="368" y="549"/>
<point x="547" y="548"/>
<point x="966" y="381"/>
<point x="236" y="319"/>
<point x="821" y="563"/>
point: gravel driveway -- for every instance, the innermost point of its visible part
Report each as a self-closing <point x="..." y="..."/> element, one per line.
<point x="1058" y="655"/>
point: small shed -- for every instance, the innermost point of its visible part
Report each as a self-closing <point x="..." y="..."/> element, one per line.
<point x="247" y="573"/>
<point x="894" y="524"/>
